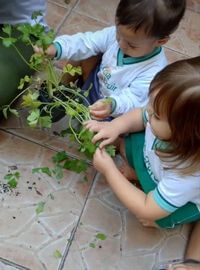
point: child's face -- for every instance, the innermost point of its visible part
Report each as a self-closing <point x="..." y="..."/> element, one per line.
<point x="159" y="124"/>
<point x="135" y="44"/>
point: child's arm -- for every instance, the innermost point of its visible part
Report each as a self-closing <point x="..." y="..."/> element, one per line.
<point x="140" y="204"/>
<point x="109" y="131"/>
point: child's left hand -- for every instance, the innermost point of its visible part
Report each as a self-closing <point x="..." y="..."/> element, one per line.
<point x="101" y="109"/>
<point x="102" y="161"/>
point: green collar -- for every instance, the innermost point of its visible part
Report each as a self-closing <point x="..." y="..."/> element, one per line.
<point x="121" y="60"/>
<point x="160" y="145"/>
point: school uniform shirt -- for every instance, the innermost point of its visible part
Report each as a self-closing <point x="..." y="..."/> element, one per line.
<point x="173" y="189"/>
<point x="126" y="79"/>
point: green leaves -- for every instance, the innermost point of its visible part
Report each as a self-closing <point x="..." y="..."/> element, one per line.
<point x="57" y="254"/>
<point x="62" y="161"/>
<point x="40" y="208"/>
<point x="12" y="179"/>
<point x="71" y="70"/>
<point x="45" y="170"/>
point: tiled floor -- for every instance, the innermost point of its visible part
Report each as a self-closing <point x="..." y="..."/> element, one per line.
<point x="75" y="210"/>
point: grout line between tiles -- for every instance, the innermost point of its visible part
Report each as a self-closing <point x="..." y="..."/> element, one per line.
<point x="42" y="144"/>
<point x="67" y="249"/>
<point x="10" y="263"/>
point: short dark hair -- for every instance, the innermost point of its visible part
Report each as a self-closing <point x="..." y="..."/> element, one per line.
<point x="177" y="98"/>
<point x="158" y="18"/>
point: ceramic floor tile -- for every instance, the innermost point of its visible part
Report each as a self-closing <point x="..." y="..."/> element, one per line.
<point x="103" y="12"/>
<point x="186" y="38"/>
<point x="39" y="215"/>
<point x="80" y="23"/>
<point x="55" y="14"/>
<point x="65" y="3"/>
<point x="194" y="5"/>
<point x="125" y="243"/>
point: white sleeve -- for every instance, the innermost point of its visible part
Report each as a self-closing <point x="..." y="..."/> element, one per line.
<point x="136" y="95"/>
<point x="84" y="45"/>
<point x="174" y="191"/>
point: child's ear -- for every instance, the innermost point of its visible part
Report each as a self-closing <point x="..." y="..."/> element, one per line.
<point x="162" y="41"/>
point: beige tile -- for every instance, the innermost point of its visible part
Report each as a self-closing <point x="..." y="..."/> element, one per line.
<point x="173" y="56"/>
<point x="80" y="23"/>
<point x="65" y="3"/>
<point x="186" y="38"/>
<point x="103" y="12"/>
<point x="55" y="14"/>
<point x="193" y="5"/>
<point x="22" y="231"/>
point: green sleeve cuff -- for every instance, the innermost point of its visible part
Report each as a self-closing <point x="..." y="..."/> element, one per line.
<point x="113" y="103"/>
<point x="58" y="50"/>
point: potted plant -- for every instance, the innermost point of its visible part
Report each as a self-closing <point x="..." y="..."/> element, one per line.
<point x="47" y="98"/>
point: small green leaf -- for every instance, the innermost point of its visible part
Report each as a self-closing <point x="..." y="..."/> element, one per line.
<point x="101" y="236"/>
<point x="13" y="111"/>
<point x="60" y="156"/>
<point x="92" y="245"/>
<point x="58" y="172"/>
<point x="57" y="254"/>
<point x="35" y="14"/>
<point x="40" y="208"/>
<point x="45" y="170"/>
<point x="12" y="179"/>
<point x="5" y="112"/>
<point x="45" y="121"/>
<point x="7" y="42"/>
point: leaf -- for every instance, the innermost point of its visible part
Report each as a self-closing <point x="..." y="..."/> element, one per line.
<point x="101" y="236"/>
<point x="60" y="156"/>
<point x="45" y="121"/>
<point x="24" y="80"/>
<point x="92" y="245"/>
<point x="12" y="179"/>
<point x="57" y="254"/>
<point x="7" y="29"/>
<point x="30" y="100"/>
<point x="71" y="70"/>
<point x="13" y="111"/>
<point x="75" y="165"/>
<point x="35" y="14"/>
<point x="40" y="208"/>
<point x="7" y="42"/>
<point x="5" y="112"/>
<point x="58" y="172"/>
<point x="45" y="170"/>
<point x="33" y="118"/>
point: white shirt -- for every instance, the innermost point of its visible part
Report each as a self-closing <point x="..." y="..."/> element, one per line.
<point x="126" y="79"/>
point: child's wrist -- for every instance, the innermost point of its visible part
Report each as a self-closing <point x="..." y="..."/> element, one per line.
<point x="58" y="50"/>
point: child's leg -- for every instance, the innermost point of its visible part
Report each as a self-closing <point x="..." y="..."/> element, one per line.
<point x="125" y="168"/>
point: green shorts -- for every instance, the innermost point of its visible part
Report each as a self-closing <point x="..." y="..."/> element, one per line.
<point x="134" y="144"/>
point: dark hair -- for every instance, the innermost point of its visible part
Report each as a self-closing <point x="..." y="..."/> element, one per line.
<point x="177" y="98"/>
<point x="158" y="18"/>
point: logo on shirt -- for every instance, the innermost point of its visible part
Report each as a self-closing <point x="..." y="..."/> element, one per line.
<point x="106" y="78"/>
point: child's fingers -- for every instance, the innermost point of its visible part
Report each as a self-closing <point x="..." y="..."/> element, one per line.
<point x="104" y="143"/>
<point x="37" y="49"/>
<point x="99" y="114"/>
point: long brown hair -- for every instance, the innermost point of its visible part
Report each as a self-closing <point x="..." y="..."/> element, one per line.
<point x="177" y="97"/>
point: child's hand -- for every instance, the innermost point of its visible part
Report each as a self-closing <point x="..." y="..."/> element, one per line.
<point x="106" y="132"/>
<point x="101" y="109"/>
<point x="102" y="161"/>
<point x="50" y="51"/>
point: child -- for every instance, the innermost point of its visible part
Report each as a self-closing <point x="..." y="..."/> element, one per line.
<point x="166" y="159"/>
<point x="131" y="53"/>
